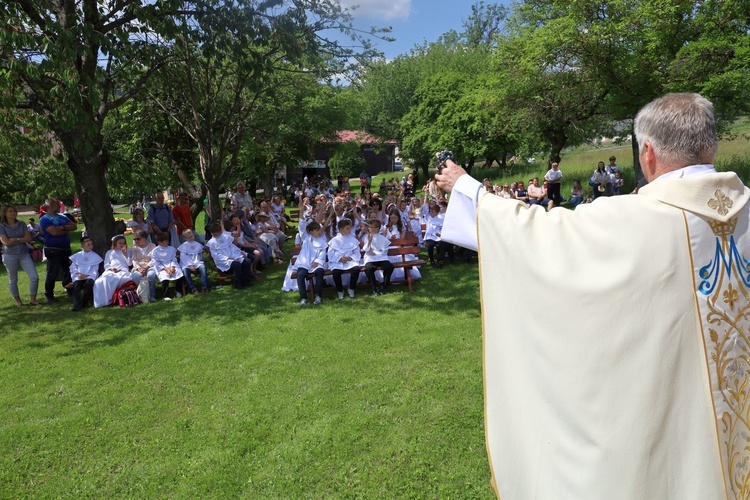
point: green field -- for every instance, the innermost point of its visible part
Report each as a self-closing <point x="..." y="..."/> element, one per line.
<point x="243" y="394"/>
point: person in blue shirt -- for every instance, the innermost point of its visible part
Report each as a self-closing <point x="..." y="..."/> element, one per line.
<point x="55" y="230"/>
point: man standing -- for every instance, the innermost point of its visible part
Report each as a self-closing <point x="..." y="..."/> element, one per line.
<point x="655" y="405"/>
<point x="554" y="178"/>
<point x="55" y="229"/>
<point x="242" y="199"/>
<point x="182" y="218"/>
<point x="160" y="216"/>
<point x="363" y="182"/>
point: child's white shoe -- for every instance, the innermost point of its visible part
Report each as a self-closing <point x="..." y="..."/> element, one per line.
<point x="351" y="293"/>
<point x="303" y="303"/>
<point x="341" y="295"/>
<point x="317" y="300"/>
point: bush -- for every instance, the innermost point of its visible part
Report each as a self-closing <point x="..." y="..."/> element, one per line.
<point x="347" y="160"/>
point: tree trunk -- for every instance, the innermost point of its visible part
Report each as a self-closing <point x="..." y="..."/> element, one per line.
<point x="91" y="187"/>
<point x="636" y="161"/>
<point x="425" y="170"/>
<point x="214" y="203"/>
<point x="469" y="166"/>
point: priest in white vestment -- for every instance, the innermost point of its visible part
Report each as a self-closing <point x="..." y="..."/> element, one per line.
<point x="653" y="405"/>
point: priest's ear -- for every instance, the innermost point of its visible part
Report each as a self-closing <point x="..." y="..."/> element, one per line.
<point x="647" y="159"/>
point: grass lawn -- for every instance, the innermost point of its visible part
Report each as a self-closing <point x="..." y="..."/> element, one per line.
<point x="243" y="394"/>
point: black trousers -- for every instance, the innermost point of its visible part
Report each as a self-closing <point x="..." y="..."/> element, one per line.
<point x="318" y="275"/>
<point x="353" y="277"/>
<point x="58" y="265"/>
<point x="385" y="265"/>
<point x="83" y="292"/>
<point x="553" y="192"/>
<point x="241" y="270"/>
<point x="442" y="249"/>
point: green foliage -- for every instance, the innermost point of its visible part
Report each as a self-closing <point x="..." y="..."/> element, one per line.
<point x="347" y="160"/>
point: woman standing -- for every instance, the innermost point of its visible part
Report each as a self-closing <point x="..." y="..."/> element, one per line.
<point x="601" y="181"/>
<point x="14" y="236"/>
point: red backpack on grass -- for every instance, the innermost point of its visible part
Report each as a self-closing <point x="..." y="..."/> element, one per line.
<point x="126" y="295"/>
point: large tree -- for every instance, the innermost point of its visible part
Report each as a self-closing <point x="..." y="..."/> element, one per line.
<point x="73" y="62"/>
<point x="227" y="63"/>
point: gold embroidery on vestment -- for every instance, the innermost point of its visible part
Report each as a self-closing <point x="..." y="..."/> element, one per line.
<point x="729" y="313"/>
<point x="721" y="203"/>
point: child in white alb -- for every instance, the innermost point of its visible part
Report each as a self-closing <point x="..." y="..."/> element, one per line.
<point x="84" y="269"/>
<point x="117" y="264"/>
<point x="312" y="259"/>
<point x="191" y="261"/>
<point x="344" y="256"/>
<point x="433" y="229"/>
<point x="166" y="265"/>
<point x="228" y="257"/>
<point x="376" y="255"/>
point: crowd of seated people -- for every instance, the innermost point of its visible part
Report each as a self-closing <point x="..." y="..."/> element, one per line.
<point x="245" y="241"/>
<point x="606" y="180"/>
<point x="372" y="220"/>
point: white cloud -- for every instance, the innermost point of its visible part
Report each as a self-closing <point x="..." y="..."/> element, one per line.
<point x="386" y="10"/>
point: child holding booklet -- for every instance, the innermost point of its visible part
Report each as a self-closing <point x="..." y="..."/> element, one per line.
<point x="191" y="261"/>
<point x="344" y="256"/>
<point x="166" y="265"/>
<point x="84" y="269"/>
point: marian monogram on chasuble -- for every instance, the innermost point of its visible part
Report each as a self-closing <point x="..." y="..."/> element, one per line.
<point x="724" y="299"/>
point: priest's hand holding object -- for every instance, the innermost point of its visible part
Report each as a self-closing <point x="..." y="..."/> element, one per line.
<point x="448" y="175"/>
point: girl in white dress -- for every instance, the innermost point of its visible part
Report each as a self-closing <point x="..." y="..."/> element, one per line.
<point x="117" y="264"/>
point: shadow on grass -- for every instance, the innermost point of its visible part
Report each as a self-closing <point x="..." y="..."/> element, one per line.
<point x="451" y="290"/>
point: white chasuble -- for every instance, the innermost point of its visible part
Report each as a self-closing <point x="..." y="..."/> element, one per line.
<point x="616" y="366"/>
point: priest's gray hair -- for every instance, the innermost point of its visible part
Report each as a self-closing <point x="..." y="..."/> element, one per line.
<point x="680" y="128"/>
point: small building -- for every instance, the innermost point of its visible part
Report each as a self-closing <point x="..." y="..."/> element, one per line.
<point x="379" y="155"/>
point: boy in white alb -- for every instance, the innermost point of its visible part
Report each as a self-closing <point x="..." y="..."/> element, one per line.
<point x="312" y="259"/>
<point x="376" y="255"/>
<point x="166" y="265"/>
<point x="227" y="256"/>
<point x="432" y="232"/>
<point x="84" y="269"/>
<point x="191" y="261"/>
<point x="344" y="256"/>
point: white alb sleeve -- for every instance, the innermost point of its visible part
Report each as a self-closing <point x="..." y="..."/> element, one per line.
<point x="460" y="225"/>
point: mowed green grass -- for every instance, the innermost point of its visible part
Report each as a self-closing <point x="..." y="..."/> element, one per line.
<point x="243" y="394"/>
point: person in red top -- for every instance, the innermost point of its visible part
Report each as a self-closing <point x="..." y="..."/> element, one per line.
<point x="182" y="218"/>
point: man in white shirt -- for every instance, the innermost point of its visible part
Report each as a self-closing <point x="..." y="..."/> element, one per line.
<point x="655" y="405"/>
<point x="554" y="179"/>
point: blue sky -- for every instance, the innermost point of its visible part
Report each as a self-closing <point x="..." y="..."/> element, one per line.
<point x="413" y="21"/>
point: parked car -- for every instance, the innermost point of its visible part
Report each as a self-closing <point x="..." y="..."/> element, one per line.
<point x="398" y="166"/>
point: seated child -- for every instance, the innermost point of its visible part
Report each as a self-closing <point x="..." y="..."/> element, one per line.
<point x="166" y="265"/>
<point x="227" y="256"/>
<point x="84" y="269"/>
<point x="617" y="183"/>
<point x="191" y="261"/>
<point x="233" y="226"/>
<point x="312" y="259"/>
<point x="376" y="255"/>
<point x="35" y="230"/>
<point x="117" y="263"/>
<point x="576" y="193"/>
<point x="344" y="256"/>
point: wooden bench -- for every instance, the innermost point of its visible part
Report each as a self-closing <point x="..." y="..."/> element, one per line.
<point x="403" y="247"/>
